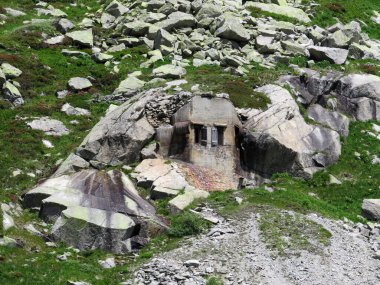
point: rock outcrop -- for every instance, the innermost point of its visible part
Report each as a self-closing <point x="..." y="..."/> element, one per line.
<point x="104" y="205"/>
<point x="279" y="139"/>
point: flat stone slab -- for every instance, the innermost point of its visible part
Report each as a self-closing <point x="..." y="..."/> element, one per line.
<point x="49" y="126"/>
<point x="169" y="71"/>
<point x="179" y="203"/>
<point x="79" y="83"/>
<point x="84" y="38"/>
<point x="287" y="11"/>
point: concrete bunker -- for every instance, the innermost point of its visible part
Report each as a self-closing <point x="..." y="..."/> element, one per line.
<point x="204" y="132"/>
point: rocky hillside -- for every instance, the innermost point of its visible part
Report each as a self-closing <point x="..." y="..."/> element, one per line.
<point x="189" y="142"/>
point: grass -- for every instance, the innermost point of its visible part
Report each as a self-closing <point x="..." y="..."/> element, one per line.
<point x="213" y="78"/>
<point x="368" y="66"/>
<point x="328" y="11"/>
<point x="214" y="281"/>
<point x="187" y="224"/>
<point x="46" y="70"/>
<point x="289" y="233"/>
<point x="346" y="11"/>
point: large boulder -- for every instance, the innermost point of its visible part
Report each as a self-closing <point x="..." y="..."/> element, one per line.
<point x="10" y="71"/>
<point x="79" y="83"/>
<point x="64" y="25"/>
<point x="208" y="10"/>
<point x="12" y="94"/>
<point x="169" y="71"/>
<point x="105" y="205"/>
<point x="333" y="55"/>
<point x="116" y="9"/>
<point x="287" y="11"/>
<point x="279" y="140"/>
<point x="89" y="228"/>
<point x="129" y="86"/>
<point x="120" y="135"/>
<point x="371" y="209"/>
<point x="136" y="28"/>
<point x="83" y="38"/>
<point x="50" y="127"/>
<point x="359" y="96"/>
<point x="177" y="20"/>
<point x="232" y="29"/>
<point x="334" y="120"/>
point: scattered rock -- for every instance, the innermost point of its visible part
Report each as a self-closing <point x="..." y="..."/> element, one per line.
<point x="72" y="111"/>
<point x="49" y="126"/>
<point x="108" y="263"/>
<point x="169" y="71"/>
<point x="83" y="38"/>
<point x="79" y="83"/>
<point x="333" y="55"/>
<point x="371" y="209"/>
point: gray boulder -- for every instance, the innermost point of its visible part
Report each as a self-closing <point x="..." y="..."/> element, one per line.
<point x="120" y="135"/>
<point x="163" y="38"/>
<point x="12" y="94"/>
<point x="89" y="228"/>
<point x="136" y="28"/>
<point x="279" y="140"/>
<point x="64" y="25"/>
<point x="129" y="86"/>
<point x="10" y="71"/>
<point x="49" y="126"/>
<point x="232" y="29"/>
<point x="83" y="38"/>
<point x="371" y="209"/>
<point x="331" y="119"/>
<point x="287" y="11"/>
<point x="79" y="83"/>
<point x="95" y="210"/>
<point x="169" y="71"/>
<point x="73" y="111"/>
<point x="116" y="9"/>
<point x="333" y="55"/>
<point x="177" y="20"/>
<point x="2" y="77"/>
<point x="208" y="10"/>
<point x="359" y="96"/>
<point x="358" y="51"/>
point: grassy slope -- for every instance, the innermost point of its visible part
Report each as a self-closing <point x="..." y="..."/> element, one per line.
<point x="346" y="11"/>
<point x="21" y="147"/>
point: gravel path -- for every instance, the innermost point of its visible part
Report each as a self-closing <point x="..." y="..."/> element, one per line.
<point x="235" y="251"/>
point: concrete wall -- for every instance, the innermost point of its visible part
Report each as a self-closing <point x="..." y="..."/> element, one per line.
<point x="210" y="112"/>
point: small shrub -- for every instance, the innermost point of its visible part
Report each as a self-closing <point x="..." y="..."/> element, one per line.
<point x="337" y="8"/>
<point x="4" y="104"/>
<point x="214" y="281"/>
<point x="320" y="179"/>
<point x="369" y="68"/>
<point x="186" y="224"/>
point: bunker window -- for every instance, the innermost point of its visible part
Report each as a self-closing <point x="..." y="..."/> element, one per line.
<point x="220" y="135"/>
<point x="214" y="136"/>
<point x="197" y="133"/>
<point x="204" y="136"/>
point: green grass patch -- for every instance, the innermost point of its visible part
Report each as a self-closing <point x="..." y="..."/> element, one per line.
<point x="346" y="11"/>
<point x="289" y="233"/>
<point x="186" y="224"/>
<point x="214" y="281"/>
<point x="241" y="89"/>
